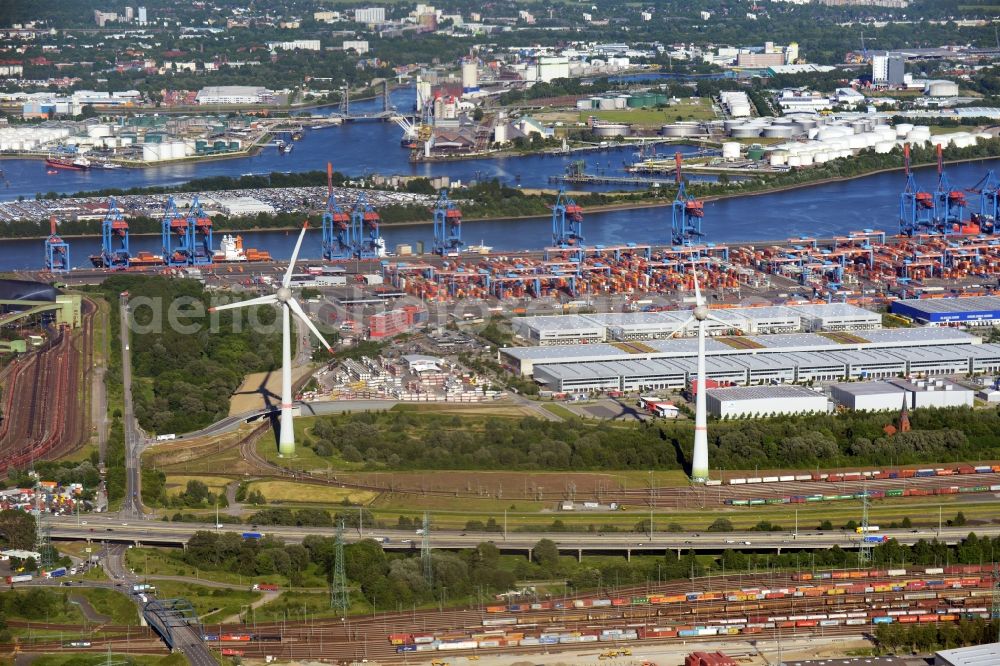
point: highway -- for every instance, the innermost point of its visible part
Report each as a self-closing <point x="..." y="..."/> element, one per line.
<point x="104" y="528"/>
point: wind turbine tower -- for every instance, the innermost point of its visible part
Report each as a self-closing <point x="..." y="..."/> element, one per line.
<point x="283" y="297"/>
<point x="701" y="315"/>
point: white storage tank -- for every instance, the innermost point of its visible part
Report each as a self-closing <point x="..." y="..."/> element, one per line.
<point x="794" y="161"/>
<point x="884" y="147"/>
<point x="821" y="157"/>
<point x="903" y="129"/>
<point x="731" y="151"/>
<point x="942" y="89"/>
<point x="607" y="104"/>
<point x="99" y="130"/>
<point x="806" y="159"/>
<point x="778" y="158"/>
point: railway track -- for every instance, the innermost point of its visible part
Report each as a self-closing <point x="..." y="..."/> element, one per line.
<point x="367" y="638"/>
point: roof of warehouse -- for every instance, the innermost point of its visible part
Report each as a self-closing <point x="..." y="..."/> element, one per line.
<point x="833" y="310"/>
<point x="868" y="388"/>
<point x="962" y="304"/>
<point x="762" y="392"/>
<point x="781" y="342"/>
<point x="978" y="655"/>
<point x="561" y="322"/>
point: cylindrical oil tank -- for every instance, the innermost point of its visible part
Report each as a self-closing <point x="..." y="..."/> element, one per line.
<point x="731" y="150"/>
<point x="942" y="89"/>
<point x="610" y="130"/>
<point x="747" y="131"/>
<point x="778" y="158"/>
<point x="680" y="129"/>
<point x="794" y="161"/>
<point x="903" y="129"/>
<point x="884" y="147"/>
<point x="779" y="131"/>
<point x="606" y="104"/>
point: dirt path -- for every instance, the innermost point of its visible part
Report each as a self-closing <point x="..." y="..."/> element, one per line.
<point x="266" y="599"/>
<point x="88" y="610"/>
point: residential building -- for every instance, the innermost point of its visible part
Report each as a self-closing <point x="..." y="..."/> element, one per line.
<point x="887" y="69"/>
<point x="235" y="95"/>
<point x="370" y="15"/>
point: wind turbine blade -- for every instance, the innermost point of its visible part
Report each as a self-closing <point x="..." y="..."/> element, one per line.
<point x="697" y="290"/>
<point x="300" y="313"/>
<point x="287" y="280"/>
<point x="260" y="300"/>
<point x="681" y="327"/>
<point x="720" y="321"/>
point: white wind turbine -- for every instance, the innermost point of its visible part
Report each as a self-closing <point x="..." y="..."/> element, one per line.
<point x="283" y="297"/>
<point x="701" y="315"/>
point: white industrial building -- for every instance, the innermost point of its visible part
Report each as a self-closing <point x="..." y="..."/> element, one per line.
<point x="781" y="359"/>
<point x="629" y="326"/>
<point x="235" y="95"/>
<point x="977" y="655"/>
<point x="754" y="401"/>
<point x="869" y="396"/>
<point x="369" y="15"/>
<point x="558" y="329"/>
<point x="935" y="393"/>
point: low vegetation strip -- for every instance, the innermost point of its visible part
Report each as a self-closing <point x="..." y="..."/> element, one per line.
<point x="740" y="343"/>
<point x="844" y="338"/>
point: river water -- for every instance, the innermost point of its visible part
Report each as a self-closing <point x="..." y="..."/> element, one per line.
<point x="820" y="210"/>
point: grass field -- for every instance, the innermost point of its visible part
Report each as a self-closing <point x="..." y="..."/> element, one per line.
<point x="289" y="492"/>
<point x="114" y="604"/>
<point x="211" y="603"/>
<point x="176" y="483"/>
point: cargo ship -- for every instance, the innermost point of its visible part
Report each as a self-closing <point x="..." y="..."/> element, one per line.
<point x="75" y="164"/>
<point x="231" y="250"/>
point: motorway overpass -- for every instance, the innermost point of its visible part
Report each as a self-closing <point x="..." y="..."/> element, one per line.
<point x="150" y="533"/>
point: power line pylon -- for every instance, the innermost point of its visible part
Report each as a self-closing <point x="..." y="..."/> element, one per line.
<point x="425" y="551"/>
<point x="338" y="587"/>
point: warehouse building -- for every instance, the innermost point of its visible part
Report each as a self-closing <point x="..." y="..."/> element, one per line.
<point x="977" y="655"/>
<point x="933" y="343"/>
<point x="632" y="326"/>
<point x="971" y="310"/>
<point x="869" y="396"/>
<point x="935" y="393"/>
<point x="558" y="330"/>
<point x="608" y="367"/>
<point x="753" y="401"/>
<point x="837" y="317"/>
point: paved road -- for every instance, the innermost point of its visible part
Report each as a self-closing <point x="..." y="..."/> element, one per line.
<point x="133" y="439"/>
<point x="155" y="532"/>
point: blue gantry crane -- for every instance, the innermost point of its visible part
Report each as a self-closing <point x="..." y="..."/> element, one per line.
<point x="365" y="231"/>
<point x="114" y="239"/>
<point x="988" y="189"/>
<point x="175" y="235"/>
<point x="949" y="204"/>
<point x="56" y="250"/>
<point x="567" y="223"/>
<point x="447" y="226"/>
<point x="686" y="212"/>
<point x="199" y="234"/>
<point x="916" y="207"/>
<point x="337" y="240"/>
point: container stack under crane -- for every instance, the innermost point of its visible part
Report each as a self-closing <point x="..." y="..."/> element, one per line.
<point x="367" y="236"/>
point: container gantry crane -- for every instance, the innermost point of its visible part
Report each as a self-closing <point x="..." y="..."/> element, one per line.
<point x="686" y="212"/>
<point x="949" y="204"/>
<point x="567" y="224"/>
<point x="114" y="238"/>
<point x="366" y="235"/>
<point x="988" y="190"/>
<point x="175" y="236"/>
<point x="200" y="234"/>
<point x="337" y="240"/>
<point x="916" y="207"/>
<point x="447" y="226"/>
<point x="56" y="250"/>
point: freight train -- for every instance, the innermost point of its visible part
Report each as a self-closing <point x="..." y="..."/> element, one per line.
<point x="872" y="494"/>
<point x="836" y="477"/>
